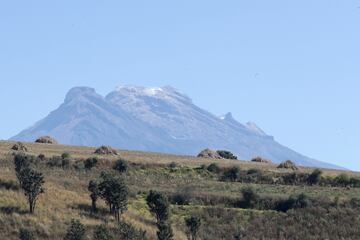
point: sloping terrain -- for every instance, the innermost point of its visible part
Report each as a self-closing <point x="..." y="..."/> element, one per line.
<point x="206" y="195"/>
<point x="158" y="120"/>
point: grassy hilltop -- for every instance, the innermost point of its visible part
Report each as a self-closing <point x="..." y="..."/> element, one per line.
<point x="331" y="209"/>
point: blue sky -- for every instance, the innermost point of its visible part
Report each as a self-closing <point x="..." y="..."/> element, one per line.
<point x="293" y="67"/>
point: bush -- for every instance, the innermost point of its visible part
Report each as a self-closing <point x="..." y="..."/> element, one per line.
<point x="58" y="161"/>
<point x="120" y="166"/>
<point x="193" y="226"/>
<point x="342" y="180"/>
<point x="250" y="198"/>
<point x="65" y="155"/>
<point x="232" y="174"/>
<point x="173" y="165"/>
<point x="41" y="157"/>
<point x="128" y="232"/>
<point x="315" y="177"/>
<point x="9" y="185"/>
<point x="227" y="154"/>
<point x="102" y="233"/>
<point x="214" y="168"/>
<point x="301" y="201"/>
<point x="76" y="231"/>
<point x="90" y="163"/>
<point x="26" y="235"/>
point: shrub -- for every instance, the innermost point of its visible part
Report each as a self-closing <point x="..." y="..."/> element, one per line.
<point x="58" y="161"/>
<point x="250" y="198"/>
<point x="9" y="185"/>
<point x="173" y="165"/>
<point x="164" y="231"/>
<point x="41" y="157"/>
<point x="301" y="201"/>
<point x="315" y="177"/>
<point x="193" y="226"/>
<point x="65" y="155"/>
<point x="342" y="180"/>
<point x="128" y="232"/>
<point x="232" y="174"/>
<point x="226" y="154"/>
<point x="214" y="168"/>
<point x="26" y="234"/>
<point x="120" y="166"/>
<point x="102" y="233"/>
<point x="90" y="163"/>
<point x="76" y="231"/>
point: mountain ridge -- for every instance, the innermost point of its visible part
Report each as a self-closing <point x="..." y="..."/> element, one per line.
<point x="158" y="120"/>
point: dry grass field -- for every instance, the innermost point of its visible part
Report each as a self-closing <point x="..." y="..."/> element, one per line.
<point x="66" y="196"/>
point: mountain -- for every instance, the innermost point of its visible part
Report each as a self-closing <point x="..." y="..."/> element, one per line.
<point x="155" y="119"/>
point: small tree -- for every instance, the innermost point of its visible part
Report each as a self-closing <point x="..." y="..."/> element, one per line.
<point x="26" y="234"/>
<point x="193" y="226"/>
<point x="102" y="233"/>
<point x="232" y="174"/>
<point x="164" y="231"/>
<point x="315" y="177"/>
<point x="120" y="166"/>
<point x="115" y="192"/>
<point x="90" y="163"/>
<point x="76" y="231"/>
<point x="94" y="194"/>
<point x="159" y="205"/>
<point x="21" y="162"/>
<point x="31" y="182"/>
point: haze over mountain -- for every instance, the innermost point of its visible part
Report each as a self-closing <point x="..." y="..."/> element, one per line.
<point x="155" y="119"/>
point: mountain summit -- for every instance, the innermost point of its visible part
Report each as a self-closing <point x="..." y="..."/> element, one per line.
<point x="155" y="119"/>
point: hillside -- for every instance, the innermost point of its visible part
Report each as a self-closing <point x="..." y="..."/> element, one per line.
<point x="192" y="189"/>
<point x="155" y="119"/>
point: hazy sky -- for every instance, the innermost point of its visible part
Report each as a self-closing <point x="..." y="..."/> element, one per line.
<point x="293" y="67"/>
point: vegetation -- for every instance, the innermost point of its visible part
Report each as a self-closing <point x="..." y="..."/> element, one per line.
<point x="31" y="181"/>
<point x="26" y="235"/>
<point x="76" y="231"/>
<point x="115" y="192"/>
<point x="226" y="154"/>
<point x="160" y="207"/>
<point x="121" y="166"/>
<point x="193" y="226"/>
<point x="260" y="202"/>
<point x="90" y="163"/>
